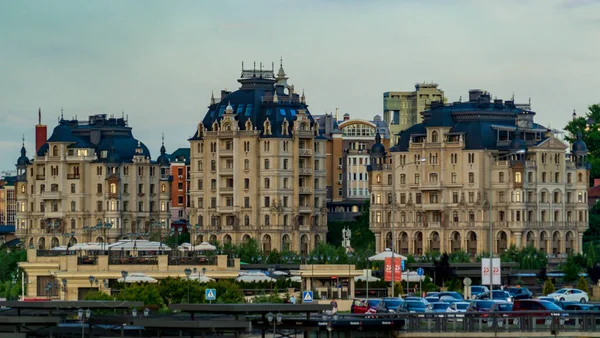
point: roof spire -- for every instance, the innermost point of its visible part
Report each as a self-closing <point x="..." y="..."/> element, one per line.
<point x="162" y="147"/>
<point x="303" y="98"/>
<point x="39" y="116"/>
<point x="61" y="113"/>
<point x="23" y="151"/>
<point x="163" y="139"/>
<point x="212" y="97"/>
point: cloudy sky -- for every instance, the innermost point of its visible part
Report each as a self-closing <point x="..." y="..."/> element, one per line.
<point x="158" y="61"/>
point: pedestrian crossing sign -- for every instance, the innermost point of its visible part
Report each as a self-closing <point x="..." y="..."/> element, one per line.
<point x="211" y="294"/>
<point x="307" y="296"/>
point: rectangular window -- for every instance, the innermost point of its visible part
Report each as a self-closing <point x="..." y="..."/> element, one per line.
<point x="248" y="110"/>
<point x="282" y="111"/>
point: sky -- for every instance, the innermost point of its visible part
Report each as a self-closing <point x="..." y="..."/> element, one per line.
<point x="158" y="61"/>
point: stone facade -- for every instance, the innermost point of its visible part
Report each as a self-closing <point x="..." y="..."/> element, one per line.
<point x="258" y="168"/>
<point x="90" y="182"/>
<point x="444" y="178"/>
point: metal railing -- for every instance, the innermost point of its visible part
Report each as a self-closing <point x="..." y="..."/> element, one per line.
<point x="55" y="253"/>
<point x="133" y="261"/>
<point x="192" y="260"/>
<point x="87" y="260"/>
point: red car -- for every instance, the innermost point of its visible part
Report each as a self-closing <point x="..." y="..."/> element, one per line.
<point x="363" y="305"/>
<point x="546" y="310"/>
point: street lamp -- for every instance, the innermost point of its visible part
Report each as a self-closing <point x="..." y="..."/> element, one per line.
<point x="349" y="263"/>
<point x="275" y="320"/>
<point x="91" y="279"/>
<point x="491" y="192"/>
<point x="271" y="270"/>
<point x="188" y="272"/>
<point x="124" y="275"/>
<point x="81" y="316"/>
<point x="64" y="288"/>
<point x="394" y="207"/>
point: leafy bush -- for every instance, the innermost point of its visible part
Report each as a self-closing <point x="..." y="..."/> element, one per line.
<point x="398" y="289"/>
<point x="582" y="284"/>
<point x="548" y="287"/>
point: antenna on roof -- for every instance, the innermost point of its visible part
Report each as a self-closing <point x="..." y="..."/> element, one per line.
<point x="460" y="98"/>
<point x="40" y="116"/>
<point x="254" y="69"/>
<point x="61" y="113"/>
<point x="513" y="96"/>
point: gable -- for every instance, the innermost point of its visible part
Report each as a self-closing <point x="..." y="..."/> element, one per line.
<point x="552" y="143"/>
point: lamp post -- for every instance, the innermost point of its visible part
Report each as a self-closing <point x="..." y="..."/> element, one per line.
<point x="275" y="320"/>
<point x="271" y="270"/>
<point x="64" y="288"/>
<point x="124" y="275"/>
<point x="91" y="279"/>
<point x="394" y="207"/>
<point x="349" y="263"/>
<point x="490" y="217"/>
<point x="82" y="316"/>
<point x="188" y="272"/>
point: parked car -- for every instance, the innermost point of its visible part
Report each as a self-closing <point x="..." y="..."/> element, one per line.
<point x="458" y="308"/>
<point x="575" y="306"/>
<point x="433" y="294"/>
<point x="497" y="295"/>
<point x="544" y="307"/>
<point x="519" y="293"/>
<point x="478" y="289"/>
<point x="432" y="299"/>
<point x="453" y="294"/>
<point x="550" y="299"/>
<point x="500" y="306"/>
<point x="570" y="295"/>
<point x="363" y="305"/>
<point x="437" y="307"/>
<point x="449" y="299"/>
<point x="481" y="306"/>
<point x="412" y="306"/>
<point x="388" y="305"/>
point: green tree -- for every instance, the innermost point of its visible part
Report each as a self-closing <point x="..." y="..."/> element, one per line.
<point x="249" y="252"/>
<point x="443" y="271"/>
<point x="574" y="265"/>
<point x="10" y="260"/>
<point x="582" y="284"/>
<point x="589" y="127"/>
<point x="176" y="239"/>
<point x="398" y="289"/>
<point x="548" y="287"/>
<point x="460" y="257"/>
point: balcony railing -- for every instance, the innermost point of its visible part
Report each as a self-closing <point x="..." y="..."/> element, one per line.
<point x="73" y="176"/>
<point x="55" y="253"/>
<point x="305" y="152"/>
<point x="40" y="177"/>
<point x="305" y="171"/>
<point x="87" y="260"/>
<point x="305" y="190"/>
<point x="192" y="260"/>
<point x="133" y="261"/>
<point x="51" y="195"/>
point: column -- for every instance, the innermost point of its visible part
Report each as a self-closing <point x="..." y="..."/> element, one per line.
<point x="378" y="242"/>
<point x="352" y="288"/>
<point x="518" y="239"/>
<point x="580" y="242"/>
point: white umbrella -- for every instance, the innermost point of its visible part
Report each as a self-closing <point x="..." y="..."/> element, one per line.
<point x="365" y="278"/>
<point x="279" y="273"/>
<point x="86" y="246"/>
<point x="296" y="279"/>
<point x="138" y="244"/>
<point x="185" y="247"/>
<point x="60" y="247"/>
<point x="252" y="277"/>
<point x="201" y="278"/>
<point x="387" y="253"/>
<point x="412" y="276"/>
<point x="137" y="278"/>
<point x="204" y="246"/>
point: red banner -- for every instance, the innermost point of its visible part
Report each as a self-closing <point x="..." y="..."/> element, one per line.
<point x="388" y="269"/>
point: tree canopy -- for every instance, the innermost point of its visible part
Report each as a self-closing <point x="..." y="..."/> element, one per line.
<point x="589" y="126"/>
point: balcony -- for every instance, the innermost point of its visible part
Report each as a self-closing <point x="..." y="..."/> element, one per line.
<point x="305" y="171"/>
<point x="226" y="152"/>
<point x="226" y="171"/>
<point x="305" y="209"/>
<point x="226" y="190"/>
<point x="51" y="195"/>
<point x="87" y="260"/>
<point x="192" y="260"/>
<point x="73" y="176"/>
<point x="133" y="261"/>
<point x="40" y="177"/>
<point x="305" y="190"/>
<point x="431" y="186"/>
<point x="305" y="152"/>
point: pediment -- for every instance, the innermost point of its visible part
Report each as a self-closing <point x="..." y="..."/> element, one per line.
<point x="553" y="143"/>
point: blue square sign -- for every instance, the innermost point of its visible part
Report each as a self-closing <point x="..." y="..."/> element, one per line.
<point x="211" y="294"/>
<point x="307" y="296"/>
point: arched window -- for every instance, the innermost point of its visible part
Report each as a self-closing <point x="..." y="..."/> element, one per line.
<point x="518" y="178"/>
<point x="434" y="136"/>
<point x="378" y="178"/>
<point x="402" y="179"/>
<point x="199" y="165"/>
<point x="247" y="220"/>
<point x="73" y="224"/>
<point x="580" y="177"/>
<point x="267" y="220"/>
<point x="501" y="177"/>
<point x="55" y="151"/>
<point x="471" y="177"/>
<point x="246" y="164"/>
<point x="113" y="188"/>
<point x="267" y="164"/>
<point x="200" y="184"/>
<point x="213" y="165"/>
<point x="267" y="183"/>
<point x="378" y="200"/>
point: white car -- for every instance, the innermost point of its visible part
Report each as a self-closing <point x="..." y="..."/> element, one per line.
<point x="458" y="309"/>
<point x="570" y="295"/>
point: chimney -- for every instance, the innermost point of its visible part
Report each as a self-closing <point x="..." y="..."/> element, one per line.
<point x="328" y="124"/>
<point x="498" y="104"/>
<point x="474" y="95"/>
<point x="41" y="132"/>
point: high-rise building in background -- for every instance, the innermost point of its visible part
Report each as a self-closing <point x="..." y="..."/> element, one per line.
<point x="401" y="110"/>
<point x="258" y="167"/>
<point x="350" y="141"/>
<point x="469" y="161"/>
<point x="90" y="181"/>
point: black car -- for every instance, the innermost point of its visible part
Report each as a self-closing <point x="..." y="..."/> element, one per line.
<point x="520" y="293"/>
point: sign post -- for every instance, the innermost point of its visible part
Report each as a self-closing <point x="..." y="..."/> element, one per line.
<point x="420" y="272"/>
<point x="397" y="271"/>
<point x="307" y="296"/>
<point x="495" y="274"/>
<point x="210" y="295"/>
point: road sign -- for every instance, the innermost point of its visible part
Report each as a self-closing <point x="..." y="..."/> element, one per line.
<point x="420" y="271"/>
<point x="307" y="296"/>
<point x="211" y="294"/>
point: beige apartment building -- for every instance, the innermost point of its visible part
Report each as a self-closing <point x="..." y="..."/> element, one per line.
<point x="91" y="181"/>
<point x="446" y="172"/>
<point x="401" y="110"/>
<point x="258" y="167"/>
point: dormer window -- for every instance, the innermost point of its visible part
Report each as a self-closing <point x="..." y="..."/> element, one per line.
<point x="434" y="136"/>
<point x="103" y="153"/>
